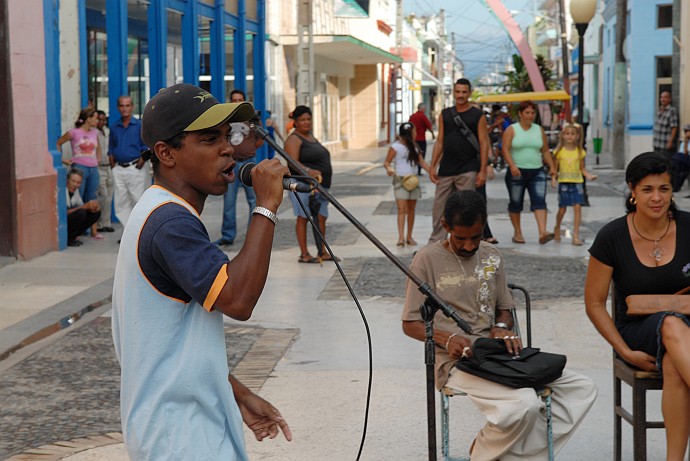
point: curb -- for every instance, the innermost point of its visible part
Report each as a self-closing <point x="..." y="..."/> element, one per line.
<point x="54" y="318"/>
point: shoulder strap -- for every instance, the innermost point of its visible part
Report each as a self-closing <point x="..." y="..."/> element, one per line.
<point x="471" y="138"/>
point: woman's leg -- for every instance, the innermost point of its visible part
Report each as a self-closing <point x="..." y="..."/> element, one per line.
<point x="540" y="216"/>
<point x="322" y="228"/>
<point x="517" y="227"/>
<point x="577" y="217"/>
<point x="516" y="196"/>
<point x="411" y="205"/>
<point x="559" y="220"/>
<point x="402" y="211"/>
<point x="675" y="401"/>
<point x="301" y="231"/>
<point x="536" y="187"/>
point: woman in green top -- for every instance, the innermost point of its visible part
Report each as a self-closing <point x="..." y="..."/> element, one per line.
<point x="526" y="150"/>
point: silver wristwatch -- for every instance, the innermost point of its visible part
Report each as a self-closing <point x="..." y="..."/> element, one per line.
<point x="501" y="325"/>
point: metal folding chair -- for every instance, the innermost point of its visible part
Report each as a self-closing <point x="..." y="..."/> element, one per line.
<point x="544" y="393"/>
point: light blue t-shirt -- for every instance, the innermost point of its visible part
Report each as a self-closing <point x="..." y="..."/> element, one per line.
<point x="176" y="401"/>
<point x="526" y="147"/>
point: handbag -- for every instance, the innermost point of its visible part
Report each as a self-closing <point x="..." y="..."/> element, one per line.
<point x="410" y="182"/>
<point x="651" y="304"/>
<point x="532" y="368"/>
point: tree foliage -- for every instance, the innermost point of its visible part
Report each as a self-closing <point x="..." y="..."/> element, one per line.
<point x="518" y="81"/>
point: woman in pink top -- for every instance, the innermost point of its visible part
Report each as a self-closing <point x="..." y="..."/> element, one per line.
<point x="86" y="151"/>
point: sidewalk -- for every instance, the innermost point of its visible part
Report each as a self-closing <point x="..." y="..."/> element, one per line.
<point x="319" y="379"/>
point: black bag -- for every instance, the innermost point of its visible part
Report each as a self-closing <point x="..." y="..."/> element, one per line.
<point x="532" y="368"/>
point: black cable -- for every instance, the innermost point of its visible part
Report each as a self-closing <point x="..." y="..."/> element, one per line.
<point x="317" y="231"/>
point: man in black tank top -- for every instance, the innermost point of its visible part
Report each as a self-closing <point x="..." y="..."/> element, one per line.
<point x="461" y="152"/>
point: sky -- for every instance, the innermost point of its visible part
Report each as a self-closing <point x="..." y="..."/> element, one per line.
<point x="481" y="43"/>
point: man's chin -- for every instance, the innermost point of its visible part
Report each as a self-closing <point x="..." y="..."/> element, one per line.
<point x="467" y="254"/>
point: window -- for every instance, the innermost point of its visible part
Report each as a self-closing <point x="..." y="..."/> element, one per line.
<point x="229" y="61"/>
<point x="664" y="16"/>
<point x="205" y="53"/>
<point x="664" y="80"/>
<point x="174" y="53"/>
<point x="98" y="69"/>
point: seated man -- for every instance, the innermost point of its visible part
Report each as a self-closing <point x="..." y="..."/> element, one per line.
<point x="469" y="274"/>
<point x="80" y="215"/>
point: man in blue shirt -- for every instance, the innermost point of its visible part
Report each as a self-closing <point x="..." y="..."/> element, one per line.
<point x="130" y="178"/>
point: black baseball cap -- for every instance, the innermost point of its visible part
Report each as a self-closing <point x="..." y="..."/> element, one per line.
<point x="185" y="107"/>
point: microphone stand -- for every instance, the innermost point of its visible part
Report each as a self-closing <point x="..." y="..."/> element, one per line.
<point x="432" y="303"/>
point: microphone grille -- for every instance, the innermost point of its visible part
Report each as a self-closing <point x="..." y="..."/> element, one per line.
<point x="245" y="173"/>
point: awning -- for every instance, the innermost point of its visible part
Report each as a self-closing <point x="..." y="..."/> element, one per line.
<point x="346" y="48"/>
<point x="556" y="95"/>
<point x="428" y="75"/>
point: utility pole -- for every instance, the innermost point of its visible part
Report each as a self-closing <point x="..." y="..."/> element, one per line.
<point x="396" y="80"/>
<point x="675" y="60"/>
<point x="305" y="54"/>
<point x="564" y="59"/>
<point x="619" y="88"/>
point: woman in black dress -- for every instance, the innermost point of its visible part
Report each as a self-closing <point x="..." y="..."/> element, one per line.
<point x="647" y="252"/>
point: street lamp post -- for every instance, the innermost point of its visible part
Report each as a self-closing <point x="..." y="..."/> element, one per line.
<point x="582" y="11"/>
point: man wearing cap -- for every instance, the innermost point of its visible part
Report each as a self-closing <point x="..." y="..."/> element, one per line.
<point x="681" y="161"/>
<point x="172" y="287"/>
<point x="665" y="132"/>
<point x="130" y="178"/>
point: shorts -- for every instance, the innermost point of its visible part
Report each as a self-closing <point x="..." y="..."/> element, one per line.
<point x="570" y="194"/>
<point x="321" y="201"/>
<point x="534" y="181"/>
<point x="401" y="193"/>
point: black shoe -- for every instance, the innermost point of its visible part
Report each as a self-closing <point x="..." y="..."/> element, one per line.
<point x="223" y="242"/>
<point x="105" y="229"/>
<point x="75" y="243"/>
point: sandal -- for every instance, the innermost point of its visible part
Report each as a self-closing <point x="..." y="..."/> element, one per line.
<point x="308" y="259"/>
<point x="577" y="241"/>
<point x="327" y="257"/>
<point x="400" y="243"/>
<point x="518" y="240"/>
<point x="491" y="240"/>
<point x="546" y="238"/>
<point x="411" y="242"/>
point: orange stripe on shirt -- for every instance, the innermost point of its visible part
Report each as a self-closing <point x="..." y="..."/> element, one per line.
<point x="217" y="286"/>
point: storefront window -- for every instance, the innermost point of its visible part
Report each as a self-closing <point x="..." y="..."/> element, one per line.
<point x="173" y="73"/>
<point x="229" y="62"/>
<point x="205" y="53"/>
<point x="138" y="73"/>
<point x="249" y="86"/>
<point x="98" y="69"/>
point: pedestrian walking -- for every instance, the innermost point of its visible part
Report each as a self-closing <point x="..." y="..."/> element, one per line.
<point x="665" y="132"/>
<point x="460" y="154"/>
<point x="422" y="124"/>
<point x="569" y="159"/>
<point x="406" y="157"/>
<point x="105" y="176"/>
<point x="526" y="150"/>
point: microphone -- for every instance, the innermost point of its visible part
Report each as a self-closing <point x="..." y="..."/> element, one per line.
<point x="245" y="176"/>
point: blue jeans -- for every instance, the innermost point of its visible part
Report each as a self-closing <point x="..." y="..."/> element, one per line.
<point x="89" y="186"/>
<point x="229" y="228"/>
<point x="534" y="180"/>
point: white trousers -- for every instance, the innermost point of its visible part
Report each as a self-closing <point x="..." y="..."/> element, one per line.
<point x="105" y="195"/>
<point x="516" y="418"/>
<point x="129" y="185"/>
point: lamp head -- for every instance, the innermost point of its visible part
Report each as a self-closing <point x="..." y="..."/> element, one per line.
<point x="582" y="11"/>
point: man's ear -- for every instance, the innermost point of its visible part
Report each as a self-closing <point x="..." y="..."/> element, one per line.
<point x="165" y="153"/>
<point x="445" y="225"/>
